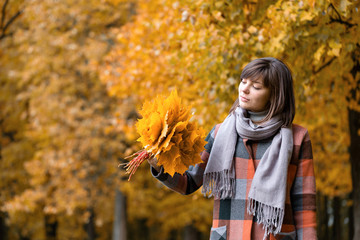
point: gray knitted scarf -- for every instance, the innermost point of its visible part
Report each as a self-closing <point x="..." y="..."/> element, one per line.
<point x="267" y="193"/>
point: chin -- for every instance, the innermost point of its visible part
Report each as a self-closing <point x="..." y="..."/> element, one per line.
<point x="244" y="106"/>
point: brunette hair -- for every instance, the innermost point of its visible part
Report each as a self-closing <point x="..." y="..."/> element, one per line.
<point x="277" y="77"/>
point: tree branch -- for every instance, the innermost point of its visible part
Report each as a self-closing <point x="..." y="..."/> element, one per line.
<point x="338" y="19"/>
<point x="3" y="14"/>
<point x="337" y="13"/>
<point x="325" y="65"/>
<point x="349" y="25"/>
<point x="12" y="19"/>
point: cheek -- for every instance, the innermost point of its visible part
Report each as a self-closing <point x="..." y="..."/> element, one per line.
<point x="239" y="88"/>
<point x="264" y="99"/>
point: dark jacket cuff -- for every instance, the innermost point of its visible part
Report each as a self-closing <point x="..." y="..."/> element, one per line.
<point x="161" y="176"/>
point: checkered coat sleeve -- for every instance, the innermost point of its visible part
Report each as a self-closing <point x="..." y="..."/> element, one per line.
<point x="230" y="218"/>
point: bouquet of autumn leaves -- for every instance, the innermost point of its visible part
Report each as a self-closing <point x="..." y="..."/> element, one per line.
<point x="166" y="133"/>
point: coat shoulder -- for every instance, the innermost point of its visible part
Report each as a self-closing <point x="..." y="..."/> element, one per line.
<point x="300" y="134"/>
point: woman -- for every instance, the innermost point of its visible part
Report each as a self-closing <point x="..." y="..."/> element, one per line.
<point x="257" y="165"/>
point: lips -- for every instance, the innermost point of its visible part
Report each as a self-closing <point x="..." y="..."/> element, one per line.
<point x="243" y="99"/>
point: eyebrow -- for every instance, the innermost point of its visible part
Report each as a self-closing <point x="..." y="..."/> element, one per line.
<point x="257" y="81"/>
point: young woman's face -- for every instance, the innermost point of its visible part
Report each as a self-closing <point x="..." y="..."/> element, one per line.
<point x="253" y="95"/>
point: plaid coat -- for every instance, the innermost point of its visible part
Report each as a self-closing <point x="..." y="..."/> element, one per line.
<point x="230" y="218"/>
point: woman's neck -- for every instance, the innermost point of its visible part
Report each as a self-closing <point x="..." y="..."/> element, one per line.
<point x="256" y="117"/>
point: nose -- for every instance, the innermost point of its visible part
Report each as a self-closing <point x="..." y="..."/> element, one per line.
<point x="244" y="88"/>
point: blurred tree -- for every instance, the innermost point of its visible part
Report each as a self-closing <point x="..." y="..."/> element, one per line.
<point x="12" y="118"/>
<point x="119" y="227"/>
<point x="200" y="47"/>
<point x="59" y="138"/>
<point x="58" y="144"/>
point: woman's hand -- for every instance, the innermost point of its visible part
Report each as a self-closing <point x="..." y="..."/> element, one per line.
<point x="153" y="162"/>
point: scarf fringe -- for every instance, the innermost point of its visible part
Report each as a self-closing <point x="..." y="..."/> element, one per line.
<point x="271" y="217"/>
<point x="219" y="185"/>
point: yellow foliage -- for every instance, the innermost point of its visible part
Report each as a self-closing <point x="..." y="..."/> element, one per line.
<point x="58" y="131"/>
<point x="201" y="47"/>
<point x="167" y="133"/>
<point x="56" y="114"/>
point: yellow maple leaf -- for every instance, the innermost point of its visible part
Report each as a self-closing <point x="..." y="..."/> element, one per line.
<point x="167" y="133"/>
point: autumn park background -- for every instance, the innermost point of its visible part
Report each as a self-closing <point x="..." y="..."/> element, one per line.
<point x="74" y="73"/>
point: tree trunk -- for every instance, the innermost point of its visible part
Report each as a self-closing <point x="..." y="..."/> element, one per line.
<point x="50" y="227"/>
<point x="336" y="205"/>
<point x="119" y="228"/>
<point x="351" y="218"/>
<point x="3" y="228"/>
<point x="322" y="216"/>
<point x="190" y="233"/>
<point x="23" y="238"/>
<point x="326" y="217"/>
<point x="354" y="127"/>
<point x="354" y="122"/>
<point x="90" y="226"/>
